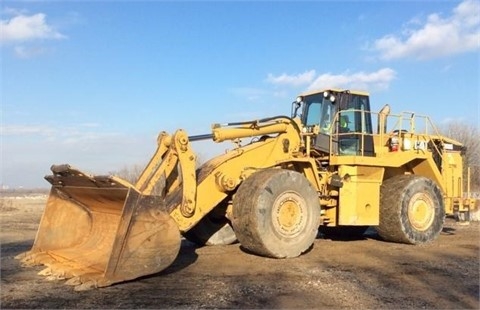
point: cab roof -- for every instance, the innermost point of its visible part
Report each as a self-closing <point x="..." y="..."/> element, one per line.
<point x="336" y="90"/>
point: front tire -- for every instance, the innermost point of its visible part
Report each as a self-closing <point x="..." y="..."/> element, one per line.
<point x="411" y="210"/>
<point x="276" y="213"/>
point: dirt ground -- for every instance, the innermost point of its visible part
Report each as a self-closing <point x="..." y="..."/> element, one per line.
<point x="360" y="274"/>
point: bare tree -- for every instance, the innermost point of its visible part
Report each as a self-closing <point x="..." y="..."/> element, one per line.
<point x="132" y="173"/>
<point x="469" y="136"/>
<point x="129" y="173"/>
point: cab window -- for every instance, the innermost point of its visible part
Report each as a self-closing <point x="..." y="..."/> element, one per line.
<point x="313" y="113"/>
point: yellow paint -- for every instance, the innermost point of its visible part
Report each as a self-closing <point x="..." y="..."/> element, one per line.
<point x="360" y="195"/>
<point x="421" y="211"/>
<point x="102" y="227"/>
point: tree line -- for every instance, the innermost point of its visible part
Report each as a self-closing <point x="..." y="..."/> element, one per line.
<point x="469" y="136"/>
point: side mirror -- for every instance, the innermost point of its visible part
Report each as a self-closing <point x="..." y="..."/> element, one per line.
<point x="296" y="105"/>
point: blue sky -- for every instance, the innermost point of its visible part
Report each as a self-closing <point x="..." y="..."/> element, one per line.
<point x="92" y="83"/>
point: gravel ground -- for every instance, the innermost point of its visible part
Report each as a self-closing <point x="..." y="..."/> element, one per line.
<point x="366" y="273"/>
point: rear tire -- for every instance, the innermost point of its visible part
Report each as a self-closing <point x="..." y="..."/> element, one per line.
<point x="276" y="213"/>
<point x="411" y="210"/>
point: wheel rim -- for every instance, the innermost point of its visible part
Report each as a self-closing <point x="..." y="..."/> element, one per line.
<point x="289" y="214"/>
<point x="421" y="211"/>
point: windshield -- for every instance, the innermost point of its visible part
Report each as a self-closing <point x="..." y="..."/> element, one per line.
<point x="319" y="111"/>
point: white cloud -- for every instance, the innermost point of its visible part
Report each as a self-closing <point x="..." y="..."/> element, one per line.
<point x="28" y="52"/>
<point x="26" y="130"/>
<point x="380" y="79"/>
<point x="22" y="28"/>
<point x="251" y="94"/>
<point x="90" y="125"/>
<point x="259" y="95"/>
<point x="437" y="36"/>
<point x="13" y="11"/>
<point x="81" y="133"/>
<point x="295" y="80"/>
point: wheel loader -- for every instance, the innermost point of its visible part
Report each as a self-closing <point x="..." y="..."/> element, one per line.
<point x="333" y="165"/>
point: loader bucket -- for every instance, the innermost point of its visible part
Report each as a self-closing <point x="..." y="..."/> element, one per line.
<point x="97" y="230"/>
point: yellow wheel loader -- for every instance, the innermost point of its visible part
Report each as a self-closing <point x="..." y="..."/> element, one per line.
<point x="333" y="164"/>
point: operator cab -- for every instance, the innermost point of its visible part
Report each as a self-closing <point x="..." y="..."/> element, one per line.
<point x="341" y="116"/>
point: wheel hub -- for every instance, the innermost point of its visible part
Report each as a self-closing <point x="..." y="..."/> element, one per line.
<point x="421" y="211"/>
<point x="289" y="214"/>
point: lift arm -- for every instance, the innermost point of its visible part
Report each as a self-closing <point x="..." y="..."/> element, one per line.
<point x="172" y="170"/>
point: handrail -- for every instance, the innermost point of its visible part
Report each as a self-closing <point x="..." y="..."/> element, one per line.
<point x="419" y="125"/>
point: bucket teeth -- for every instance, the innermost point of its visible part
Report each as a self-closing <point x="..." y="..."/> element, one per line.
<point x="58" y="273"/>
<point x="29" y="259"/>
<point x="87" y="282"/>
<point x="73" y="281"/>
<point x="55" y="277"/>
<point x="21" y="255"/>
<point x="45" y="272"/>
<point x="82" y="278"/>
<point x="86" y="286"/>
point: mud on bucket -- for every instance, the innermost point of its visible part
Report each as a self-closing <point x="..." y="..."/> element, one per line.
<point x="98" y="230"/>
